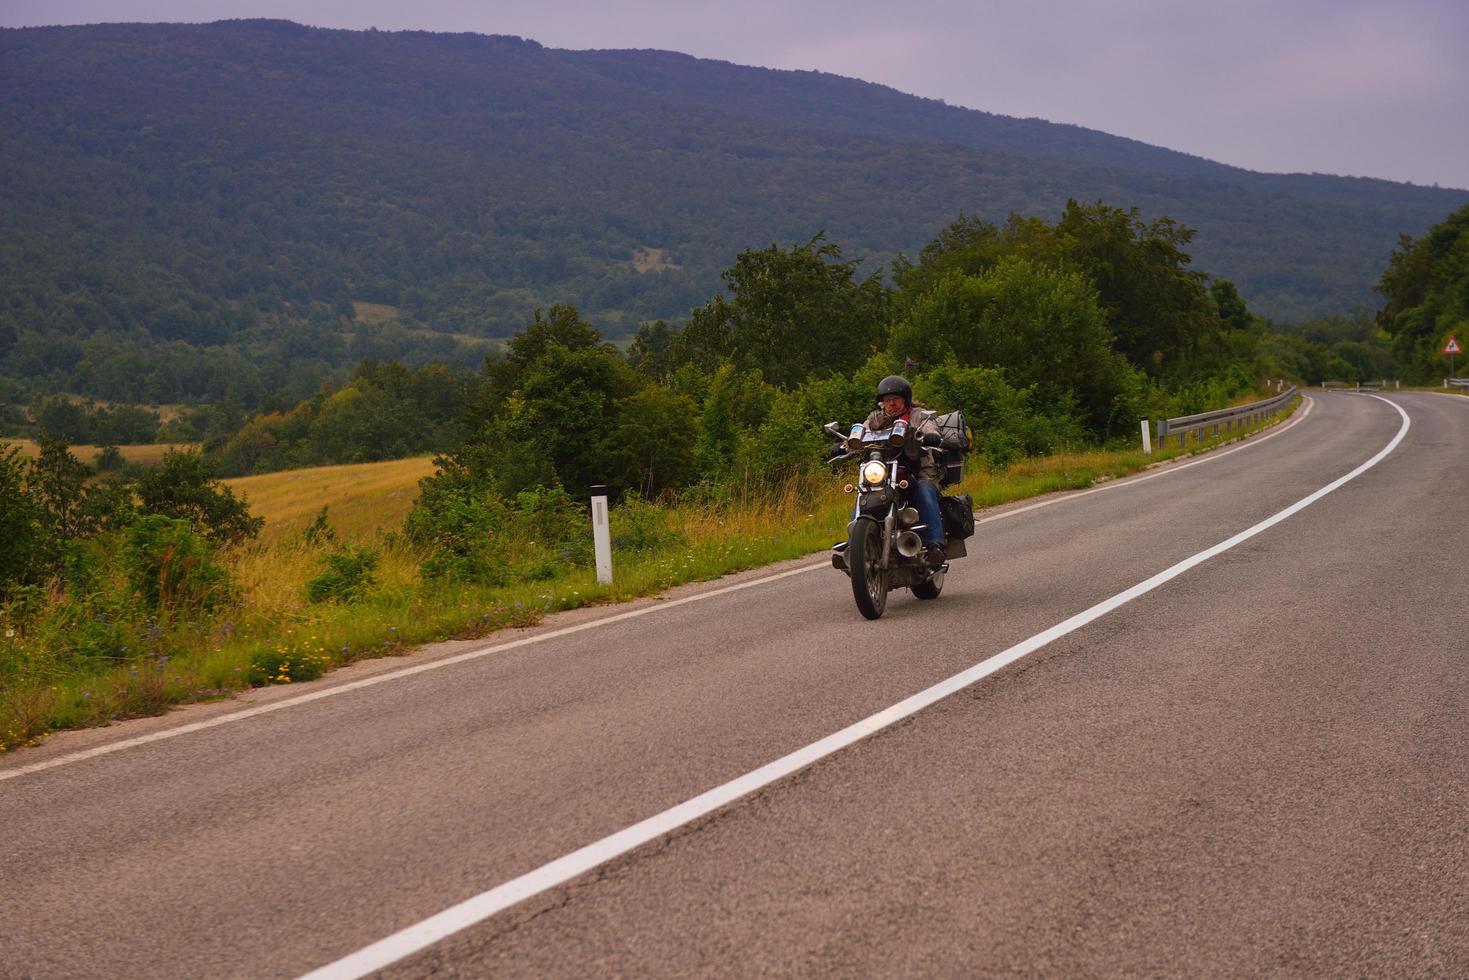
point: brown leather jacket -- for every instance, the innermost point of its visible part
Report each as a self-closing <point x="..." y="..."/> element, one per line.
<point x="923" y="422"/>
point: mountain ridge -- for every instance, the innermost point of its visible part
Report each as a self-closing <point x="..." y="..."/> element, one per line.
<point x="187" y="183"/>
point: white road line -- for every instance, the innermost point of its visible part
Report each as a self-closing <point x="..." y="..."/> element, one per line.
<point x="329" y="692"/>
<point x="456" y="918"/>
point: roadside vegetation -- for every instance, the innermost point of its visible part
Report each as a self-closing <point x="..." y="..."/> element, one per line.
<point x="151" y="615"/>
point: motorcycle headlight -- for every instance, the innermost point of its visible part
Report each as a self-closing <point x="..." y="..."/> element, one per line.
<point x="874" y="473"/>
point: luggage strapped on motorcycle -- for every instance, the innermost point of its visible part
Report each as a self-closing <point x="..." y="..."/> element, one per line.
<point x="955" y="436"/>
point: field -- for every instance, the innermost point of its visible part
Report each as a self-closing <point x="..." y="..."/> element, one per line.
<point x="360" y="499"/>
<point x="147" y="454"/>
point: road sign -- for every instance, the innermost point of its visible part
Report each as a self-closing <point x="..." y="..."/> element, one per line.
<point x="1452" y="347"/>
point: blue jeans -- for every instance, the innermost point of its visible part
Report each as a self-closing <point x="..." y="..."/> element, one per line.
<point x="926" y="499"/>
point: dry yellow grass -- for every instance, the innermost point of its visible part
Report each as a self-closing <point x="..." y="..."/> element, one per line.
<point x="362" y="497"/>
<point x="144" y="454"/>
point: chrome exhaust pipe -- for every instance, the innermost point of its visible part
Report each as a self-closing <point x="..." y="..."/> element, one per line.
<point x="910" y="545"/>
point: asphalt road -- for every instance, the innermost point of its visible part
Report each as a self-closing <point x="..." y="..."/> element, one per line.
<point x="1258" y="767"/>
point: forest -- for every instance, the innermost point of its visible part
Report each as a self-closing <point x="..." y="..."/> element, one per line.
<point x="244" y="210"/>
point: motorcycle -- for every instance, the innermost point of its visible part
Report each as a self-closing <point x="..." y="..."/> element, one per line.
<point x="884" y="550"/>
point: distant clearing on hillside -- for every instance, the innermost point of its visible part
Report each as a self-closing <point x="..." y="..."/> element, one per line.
<point x="652" y="260"/>
<point x="373" y="313"/>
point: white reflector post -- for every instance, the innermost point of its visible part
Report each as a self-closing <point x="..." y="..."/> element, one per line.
<point x="1147" y="439"/>
<point x="601" y="535"/>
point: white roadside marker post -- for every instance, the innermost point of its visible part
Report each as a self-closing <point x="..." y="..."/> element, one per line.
<point x="1147" y="439"/>
<point x="601" y="535"/>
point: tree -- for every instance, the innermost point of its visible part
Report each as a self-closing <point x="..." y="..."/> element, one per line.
<point x="64" y="420"/>
<point x="1229" y="306"/>
<point x="46" y="504"/>
<point x="707" y="340"/>
<point x="183" y="486"/>
<point x="24" y="554"/>
<point x="561" y="326"/>
<point x="1004" y="419"/>
<point x="1158" y="310"/>
<point x="1425" y="288"/>
<point x="969" y="245"/>
<point x="793" y="314"/>
<point x="1043" y="327"/>
<point x="565" y="413"/>
<point x="650" y="349"/>
<point x="362" y="423"/>
<point x="652" y="445"/>
<point x="1156" y="307"/>
<point x="56" y="482"/>
<point x="737" y="403"/>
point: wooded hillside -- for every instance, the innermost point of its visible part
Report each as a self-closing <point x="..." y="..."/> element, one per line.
<point x="193" y="211"/>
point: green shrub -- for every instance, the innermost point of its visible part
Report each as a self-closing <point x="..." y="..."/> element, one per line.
<point x="640" y="526"/>
<point x="1004" y="419"/>
<point x="785" y="446"/>
<point x="456" y="523"/>
<point x="172" y="568"/>
<point x="347" y="577"/>
<point x="474" y="535"/>
<point x="549" y="517"/>
<point x="319" y="532"/>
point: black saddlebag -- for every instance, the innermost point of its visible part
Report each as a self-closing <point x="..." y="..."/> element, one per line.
<point x="958" y="515"/>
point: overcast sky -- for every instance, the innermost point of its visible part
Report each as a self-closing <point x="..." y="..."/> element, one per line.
<point x="1376" y="88"/>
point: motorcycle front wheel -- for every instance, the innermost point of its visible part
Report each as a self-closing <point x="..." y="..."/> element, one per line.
<point x="864" y="559"/>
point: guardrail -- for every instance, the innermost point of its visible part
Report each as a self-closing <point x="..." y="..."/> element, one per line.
<point x="1224" y="419"/>
<point x="1456" y="382"/>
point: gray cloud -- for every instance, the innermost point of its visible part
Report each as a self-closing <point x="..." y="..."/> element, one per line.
<point x="1360" y="87"/>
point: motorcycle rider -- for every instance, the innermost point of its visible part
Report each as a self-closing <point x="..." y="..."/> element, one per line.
<point x="895" y="401"/>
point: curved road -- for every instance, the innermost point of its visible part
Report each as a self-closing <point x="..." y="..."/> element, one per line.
<point x="1260" y="765"/>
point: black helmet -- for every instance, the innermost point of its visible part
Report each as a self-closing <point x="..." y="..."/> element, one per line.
<point x="894" y="385"/>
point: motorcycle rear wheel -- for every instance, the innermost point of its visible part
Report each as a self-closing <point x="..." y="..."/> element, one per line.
<point x="930" y="588"/>
<point x="864" y="561"/>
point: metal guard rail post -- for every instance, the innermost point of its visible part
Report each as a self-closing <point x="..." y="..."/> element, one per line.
<point x="1224" y="419"/>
